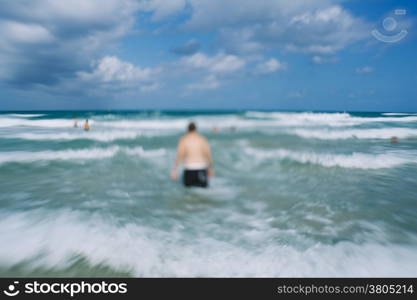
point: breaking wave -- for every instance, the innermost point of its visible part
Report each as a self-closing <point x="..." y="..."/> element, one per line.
<point x="382" y="133"/>
<point x="354" y="160"/>
<point x="82" y="154"/>
<point x="147" y="252"/>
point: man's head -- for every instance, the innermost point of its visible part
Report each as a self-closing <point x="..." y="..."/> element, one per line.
<point x="192" y="127"/>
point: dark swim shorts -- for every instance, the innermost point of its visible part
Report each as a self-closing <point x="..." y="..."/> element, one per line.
<point x="195" y="178"/>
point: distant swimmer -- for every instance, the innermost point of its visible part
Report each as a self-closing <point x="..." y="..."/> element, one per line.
<point x="215" y="129"/>
<point x="394" y="140"/>
<point x="194" y="151"/>
<point x="75" y="122"/>
<point x="86" y="125"/>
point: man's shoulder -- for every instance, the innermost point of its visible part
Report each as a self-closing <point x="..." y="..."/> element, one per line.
<point x="197" y="137"/>
<point x="203" y="138"/>
<point x="185" y="138"/>
<point x="182" y="139"/>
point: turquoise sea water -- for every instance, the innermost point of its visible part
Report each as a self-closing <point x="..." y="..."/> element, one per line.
<point x="294" y="194"/>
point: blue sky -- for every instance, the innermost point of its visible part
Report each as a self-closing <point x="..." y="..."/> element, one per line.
<point x="208" y="54"/>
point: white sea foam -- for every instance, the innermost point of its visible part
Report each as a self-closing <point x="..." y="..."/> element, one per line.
<point x="46" y="123"/>
<point x="327" y="119"/>
<point x="354" y="160"/>
<point x="207" y="123"/>
<point x="80" y="154"/>
<point x="25" y="156"/>
<point x="250" y="120"/>
<point x="375" y="133"/>
<point x="36" y="239"/>
<point x="409" y="119"/>
<point x="102" y="136"/>
<point x="147" y="124"/>
<point x="24" y="115"/>
<point x="399" y="114"/>
<point x="302" y="115"/>
<point x="150" y="125"/>
<point x="145" y="153"/>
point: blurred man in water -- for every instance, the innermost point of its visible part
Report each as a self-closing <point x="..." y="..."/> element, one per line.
<point x="86" y="125"/>
<point x="194" y="151"/>
<point x="394" y="140"/>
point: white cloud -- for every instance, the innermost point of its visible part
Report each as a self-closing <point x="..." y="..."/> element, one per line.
<point x="317" y="59"/>
<point x="210" y="69"/>
<point x="325" y="15"/>
<point x="214" y="71"/>
<point x="309" y="26"/>
<point x="320" y="31"/>
<point x="240" y="41"/>
<point x="207" y="14"/>
<point x="220" y="63"/>
<point x="114" y="73"/>
<point x="323" y="60"/>
<point x="82" y="13"/>
<point x="366" y="69"/>
<point x="62" y="37"/>
<point x="270" y="66"/>
<point x="163" y="8"/>
<point x="18" y="32"/>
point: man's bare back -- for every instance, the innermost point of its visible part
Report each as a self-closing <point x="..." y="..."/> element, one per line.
<point x="195" y="149"/>
<point x="194" y="152"/>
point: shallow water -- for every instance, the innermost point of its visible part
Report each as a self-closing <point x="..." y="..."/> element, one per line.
<point x="294" y="194"/>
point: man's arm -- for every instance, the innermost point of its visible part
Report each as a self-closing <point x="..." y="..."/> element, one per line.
<point x="179" y="158"/>
<point x="209" y="160"/>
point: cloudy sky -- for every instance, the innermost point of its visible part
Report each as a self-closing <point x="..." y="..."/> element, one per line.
<point x="208" y="54"/>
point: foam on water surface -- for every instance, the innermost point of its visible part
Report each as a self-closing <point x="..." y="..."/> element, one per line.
<point x="294" y="194"/>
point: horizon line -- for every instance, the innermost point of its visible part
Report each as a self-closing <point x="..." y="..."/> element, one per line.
<point x="203" y="110"/>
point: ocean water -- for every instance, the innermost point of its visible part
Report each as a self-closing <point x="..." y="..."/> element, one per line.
<point x="297" y="194"/>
